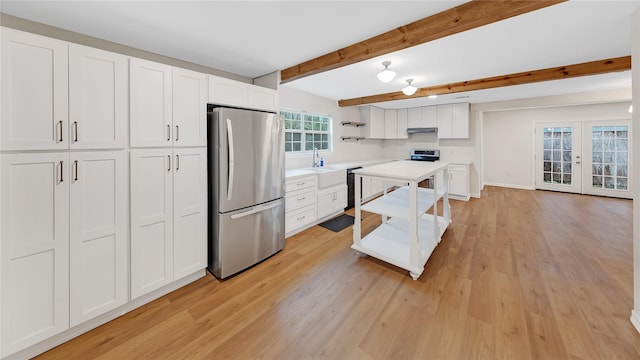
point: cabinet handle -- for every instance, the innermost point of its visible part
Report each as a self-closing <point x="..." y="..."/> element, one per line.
<point x="168" y="132"/>
<point x="75" y="131"/>
<point x="301" y="199"/>
<point x="75" y="165"/>
<point x="300" y="184"/>
<point x="169" y="162"/>
<point x="60" y="131"/>
<point x="300" y="218"/>
<point x="61" y="171"/>
<point x="177" y="133"/>
<point x="177" y="162"/>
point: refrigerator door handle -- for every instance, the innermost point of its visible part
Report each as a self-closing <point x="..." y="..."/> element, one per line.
<point x="231" y="159"/>
<point x="253" y="211"/>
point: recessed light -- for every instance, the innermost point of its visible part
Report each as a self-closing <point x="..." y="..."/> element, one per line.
<point x="432" y="96"/>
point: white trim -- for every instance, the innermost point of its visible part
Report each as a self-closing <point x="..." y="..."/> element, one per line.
<point x="635" y="319"/>
<point x="513" y="186"/>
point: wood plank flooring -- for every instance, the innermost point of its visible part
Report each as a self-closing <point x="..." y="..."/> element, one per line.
<point x="518" y="275"/>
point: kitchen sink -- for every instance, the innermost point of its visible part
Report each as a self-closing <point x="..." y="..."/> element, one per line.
<point x="328" y="176"/>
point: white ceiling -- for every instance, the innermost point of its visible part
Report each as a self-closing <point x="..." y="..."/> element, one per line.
<point x="256" y="38"/>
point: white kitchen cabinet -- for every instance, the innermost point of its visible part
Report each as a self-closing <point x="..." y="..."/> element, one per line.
<point x="150" y="103"/>
<point x="189" y="108"/>
<point x="34" y="251"/>
<point x="35" y="113"/>
<point x="98" y="98"/>
<point x="459" y="181"/>
<point x="414" y="117"/>
<point x="390" y="124"/>
<point x="374" y="118"/>
<point x="167" y="212"/>
<point x="189" y="211"/>
<point x="223" y="91"/>
<point x="402" y="124"/>
<point x="453" y="121"/>
<point x="332" y="200"/>
<point x="98" y="245"/>
<point x="371" y="186"/>
<point x="300" y="203"/>
<point x="429" y="116"/>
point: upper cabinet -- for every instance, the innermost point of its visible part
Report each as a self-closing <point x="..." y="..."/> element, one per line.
<point x="150" y="107"/>
<point x="390" y="124"/>
<point x="97" y="98"/>
<point x="374" y="118"/>
<point x="35" y="113"/>
<point x="402" y="123"/>
<point x="422" y="117"/>
<point x="168" y="105"/>
<point x="58" y="96"/>
<point x="453" y="121"/>
<point x="229" y="92"/>
<point x="189" y="108"/>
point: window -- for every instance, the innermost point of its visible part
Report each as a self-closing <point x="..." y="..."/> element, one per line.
<point x="304" y="131"/>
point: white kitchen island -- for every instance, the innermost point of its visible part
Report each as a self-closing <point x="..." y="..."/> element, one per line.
<point x="408" y="235"/>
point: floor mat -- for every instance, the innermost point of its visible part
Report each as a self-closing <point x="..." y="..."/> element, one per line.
<point x="338" y="223"/>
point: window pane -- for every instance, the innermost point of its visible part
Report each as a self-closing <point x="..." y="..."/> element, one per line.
<point x="287" y="146"/>
<point x="287" y="136"/>
<point x="308" y="146"/>
<point x="296" y="146"/>
<point x="297" y="136"/>
<point x="325" y="145"/>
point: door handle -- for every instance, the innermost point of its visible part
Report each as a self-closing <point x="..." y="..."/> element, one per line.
<point x="60" y="130"/>
<point x="168" y="162"/>
<point x="177" y="133"/>
<point x="168" y="132"/>
<point x="231" y="160"/>
<point x="61" y="171"/>
<point x="177" y="162"/>
<point x="253" y="211"/>
<point x="75" y="165"/>
<point x="75" y="131"/>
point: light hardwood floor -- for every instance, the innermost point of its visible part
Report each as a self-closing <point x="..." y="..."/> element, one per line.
<point x="518" y="275"/>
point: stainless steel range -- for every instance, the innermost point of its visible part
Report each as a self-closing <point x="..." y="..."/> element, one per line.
<point x="425" y="155"/>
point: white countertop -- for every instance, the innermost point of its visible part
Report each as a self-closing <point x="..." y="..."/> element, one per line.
<point x="406" y="170"/>
<point x="294" y="173"/>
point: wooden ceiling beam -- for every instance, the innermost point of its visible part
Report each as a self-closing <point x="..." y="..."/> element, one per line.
<point x="556" y="73"/>
<point x="464" y="17"/>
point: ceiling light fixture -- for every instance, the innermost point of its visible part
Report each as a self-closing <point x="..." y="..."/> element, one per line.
<point x="386" y="75"/>
<point x="409" y="89"/>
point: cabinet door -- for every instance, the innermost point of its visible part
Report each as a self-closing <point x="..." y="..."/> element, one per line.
<point x="325" y="203"/>
<point x="414" y="117"/>
<point x="98" y="233"/>
<point x="390" y="124"/>
<point x="150" y="104"/>
<point x="457" y="183"/>
<point x="189" y="211"/>
<point x="340" y="199"/>
<point x="262" y="98"/>
<point x="460" y="121"/>
<point x="430" y="116"/>
<point x="376" y="123"/>
<point x="228" y="92"/>
<point x="189" y="108"/>
<point x="402" y="124"/>
<point x="34" y="92"/>
<point x="151" y="220"/>
<point x="98" y="98"/>
<point x="34" y="248"/>
<point x="445" y="124"/>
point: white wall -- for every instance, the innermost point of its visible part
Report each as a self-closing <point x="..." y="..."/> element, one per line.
<point x="343" y="151"/>
<point x="635" y="58"/>
<point x="508" y="143"/>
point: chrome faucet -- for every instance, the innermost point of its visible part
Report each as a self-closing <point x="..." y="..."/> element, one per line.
<point x="315" y="161"/>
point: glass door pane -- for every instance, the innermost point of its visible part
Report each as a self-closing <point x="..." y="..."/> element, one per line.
<point x="558" y="157"/>
<point x="607" y="158"/>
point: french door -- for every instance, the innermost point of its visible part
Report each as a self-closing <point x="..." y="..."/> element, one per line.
<point x="591" y="157"/>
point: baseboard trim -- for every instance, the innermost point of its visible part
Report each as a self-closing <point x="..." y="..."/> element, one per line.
<point x="512" y="186"/>
<point x="635" y="319"/>
<point x="78" y="330"/>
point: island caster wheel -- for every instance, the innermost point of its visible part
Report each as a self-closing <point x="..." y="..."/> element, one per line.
<point x="359" y="253"/>
<point x="414" y="276"/>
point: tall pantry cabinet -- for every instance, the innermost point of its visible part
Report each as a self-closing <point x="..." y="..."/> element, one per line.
<point x="63" y="218"/>
<point x="168" y="174"/>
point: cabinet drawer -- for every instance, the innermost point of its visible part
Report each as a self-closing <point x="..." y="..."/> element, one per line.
<point x="299" y="218"/>
<point x="300" y="199"/>
<point x="457" y="168"/>
<point x="300" y="183"/>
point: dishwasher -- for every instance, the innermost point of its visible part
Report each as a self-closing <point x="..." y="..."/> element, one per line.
<point x="351" y="187"/>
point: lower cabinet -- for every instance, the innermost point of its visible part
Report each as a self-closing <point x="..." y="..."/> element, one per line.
<point x="332" y="200"/>
<point x="63" y="242"/>
<point x="168" y="216"/>
<point x="300" y="203"/>
<point x="459" y="181"/>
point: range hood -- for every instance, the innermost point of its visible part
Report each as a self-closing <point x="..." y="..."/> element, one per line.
<point x="422" y="130"/>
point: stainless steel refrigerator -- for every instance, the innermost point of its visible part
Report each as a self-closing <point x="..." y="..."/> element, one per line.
<point x="246" y="188"/>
